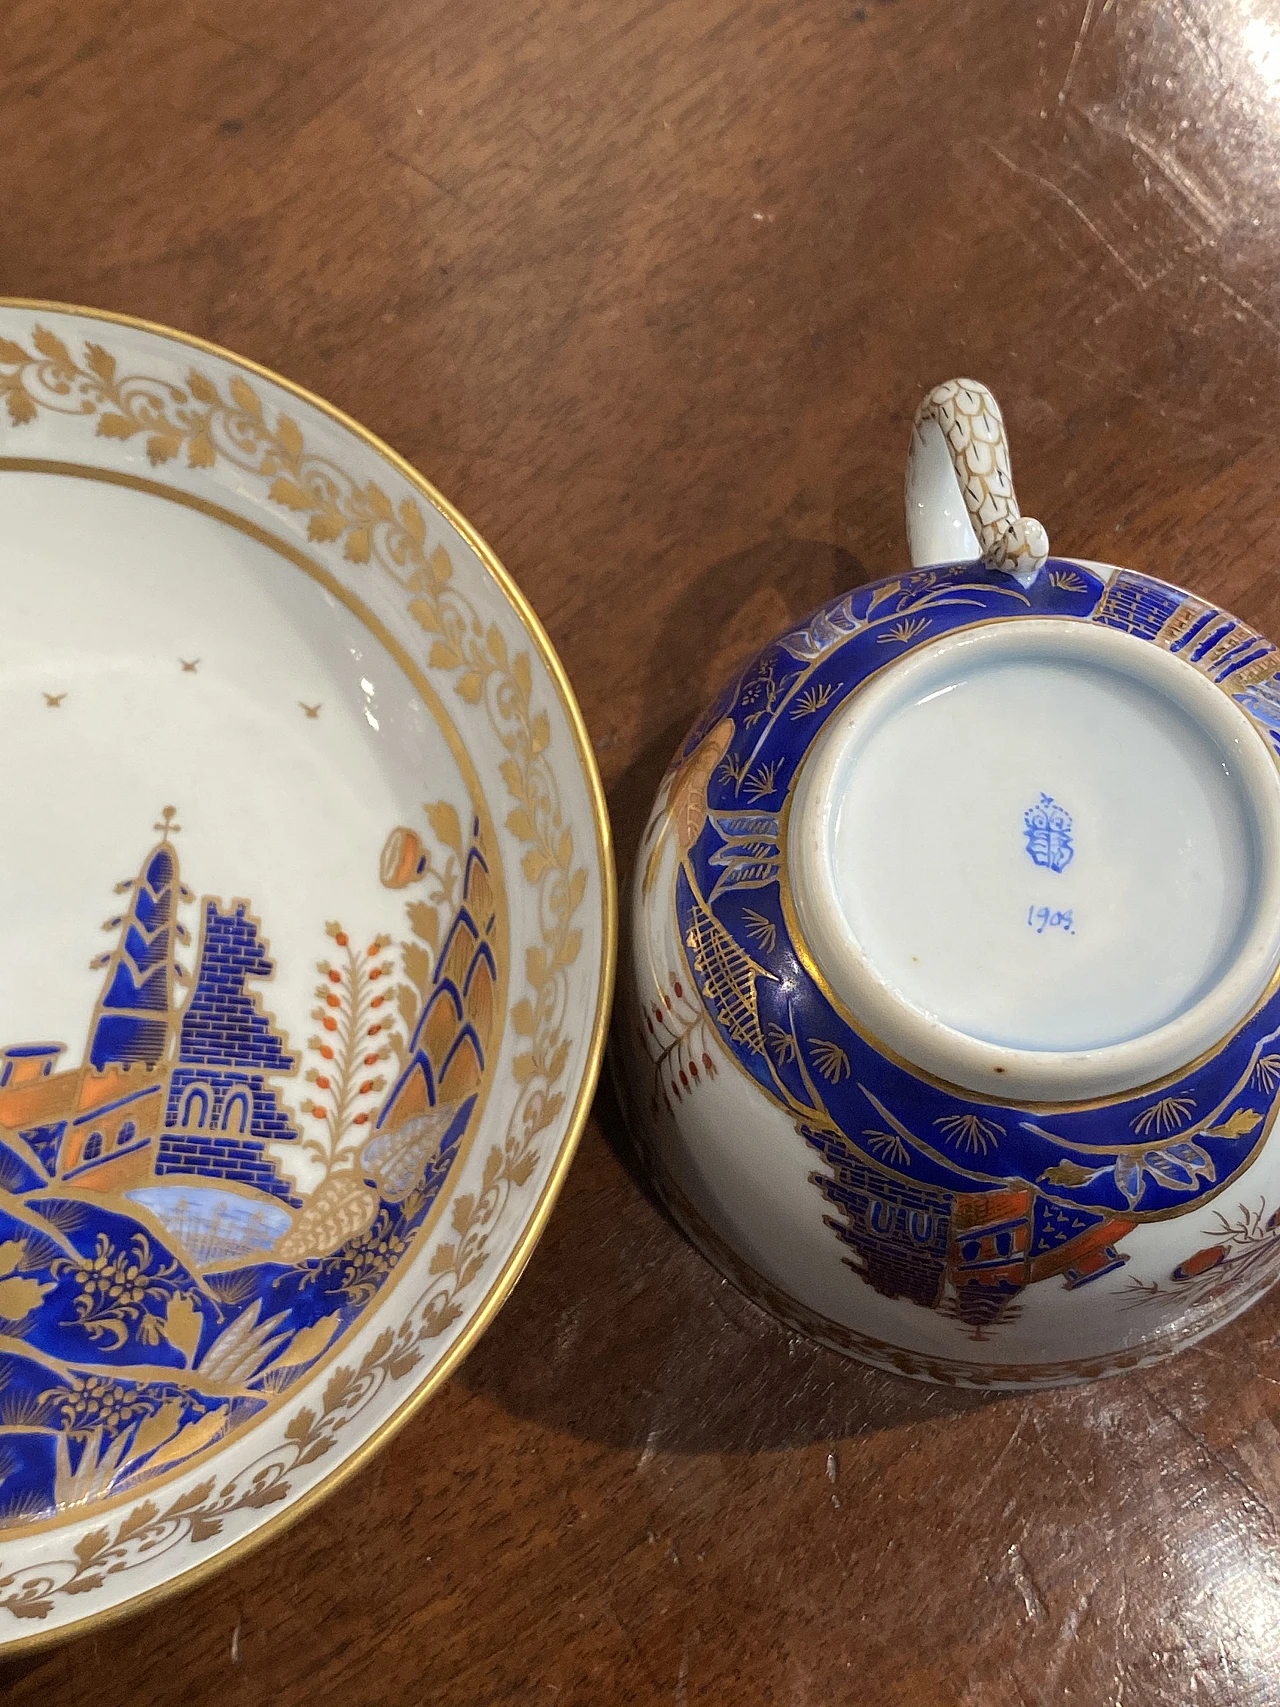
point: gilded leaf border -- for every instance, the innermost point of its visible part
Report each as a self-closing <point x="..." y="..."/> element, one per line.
<point x="199" y="424"/>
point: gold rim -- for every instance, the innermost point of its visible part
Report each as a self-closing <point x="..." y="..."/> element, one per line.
<point x="538" y="1217"/>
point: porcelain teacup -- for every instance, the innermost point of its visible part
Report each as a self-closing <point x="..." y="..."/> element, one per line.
<point x="951" y="1029"/>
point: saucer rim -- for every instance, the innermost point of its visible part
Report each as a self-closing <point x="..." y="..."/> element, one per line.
<point x="575" y="1125"/>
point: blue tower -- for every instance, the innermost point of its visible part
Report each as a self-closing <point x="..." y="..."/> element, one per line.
<point x="221" y="1111"/>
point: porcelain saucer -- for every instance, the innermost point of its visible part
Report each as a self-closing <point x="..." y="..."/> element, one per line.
<point x="307" y="908"/>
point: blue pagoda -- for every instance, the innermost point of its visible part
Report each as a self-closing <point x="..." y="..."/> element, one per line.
<point x="163" y="1088"/>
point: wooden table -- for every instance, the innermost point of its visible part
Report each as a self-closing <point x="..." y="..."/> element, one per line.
<point x="651" y="292"/>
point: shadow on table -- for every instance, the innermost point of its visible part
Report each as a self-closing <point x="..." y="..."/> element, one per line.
<point x="619" y="1331"/>
<point x="720" y="618"/>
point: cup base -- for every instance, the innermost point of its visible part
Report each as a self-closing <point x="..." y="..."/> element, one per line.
<point x="1040" y="855"/>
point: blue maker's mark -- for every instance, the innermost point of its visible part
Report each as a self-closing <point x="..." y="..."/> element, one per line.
<point x="1047" y="827"/>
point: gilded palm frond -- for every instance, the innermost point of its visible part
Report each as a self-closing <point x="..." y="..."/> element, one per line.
<point x="812" y="699"/>
<point x="761" y="928"/>
<point x="970" y="1132"/>
<point x="831" y="1060"/>
<point x="886" y="1145"/>
<point x="1166" y="1115"/>
<point x="904" y="632"/>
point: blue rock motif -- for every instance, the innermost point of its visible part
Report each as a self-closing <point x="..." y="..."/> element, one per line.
<point x="1047" y="827"/>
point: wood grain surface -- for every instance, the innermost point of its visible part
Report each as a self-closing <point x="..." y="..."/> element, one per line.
<point x="651" y="290"/>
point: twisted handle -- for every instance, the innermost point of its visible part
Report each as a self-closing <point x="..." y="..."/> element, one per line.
<point x="961" y="505"/>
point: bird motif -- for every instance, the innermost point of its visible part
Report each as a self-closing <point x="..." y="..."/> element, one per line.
<point x="311" y="710"/>
<point x="54" y="700"/>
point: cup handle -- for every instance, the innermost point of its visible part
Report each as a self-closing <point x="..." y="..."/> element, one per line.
<point x="961" y="506"/>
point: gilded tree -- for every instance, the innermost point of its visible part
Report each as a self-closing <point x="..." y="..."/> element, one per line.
<point x="358" y="1033"/>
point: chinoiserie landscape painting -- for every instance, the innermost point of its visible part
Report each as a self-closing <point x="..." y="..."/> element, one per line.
<point x="163" y="1275"/>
